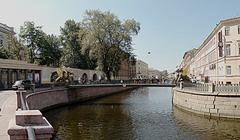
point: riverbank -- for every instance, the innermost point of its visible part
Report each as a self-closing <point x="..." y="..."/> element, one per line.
<point x="213" y="104"/>
<point x="30" y="105"/>
<point x="49" y="99"/>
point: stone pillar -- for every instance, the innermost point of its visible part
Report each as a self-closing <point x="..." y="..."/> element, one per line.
<point x="30" y="118"/>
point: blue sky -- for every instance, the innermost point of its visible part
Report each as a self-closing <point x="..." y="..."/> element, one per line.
<point x="168" y="27"/>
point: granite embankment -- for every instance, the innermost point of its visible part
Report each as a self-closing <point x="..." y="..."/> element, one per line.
<point x="58" y="97"/>
<point x="29" y="122"/>
<point x="215" y="104"/>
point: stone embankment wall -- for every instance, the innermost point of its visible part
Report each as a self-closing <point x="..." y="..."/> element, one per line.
<point x="30" y="124"/>
<point x="58" y="97"/>
<point x="211" y="104"/>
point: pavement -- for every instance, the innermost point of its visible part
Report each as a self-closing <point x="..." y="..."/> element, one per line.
<point x="8" y="105"/>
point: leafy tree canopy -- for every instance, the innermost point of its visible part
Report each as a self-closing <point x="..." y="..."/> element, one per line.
<point x="108" y="39"/>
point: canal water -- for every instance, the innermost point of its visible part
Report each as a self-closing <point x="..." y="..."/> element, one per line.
<point x="144" y="114"/>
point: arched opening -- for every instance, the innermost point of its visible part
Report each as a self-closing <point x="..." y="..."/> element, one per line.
<point x="94" y="77"/>
<point x="84" y="78"/>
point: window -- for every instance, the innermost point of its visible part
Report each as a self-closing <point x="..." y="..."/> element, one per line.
<point x="1" y="40"/>
<point x="220" y="49"/>
<point x="228" y="50"/>
<point x="238" y="48"/>
<point x="212" y="66"/>
<point x="238" y="29"/>
<point x="228" y="70"/>
<point x="220" y="36"/>
<point x="227" y="31"/>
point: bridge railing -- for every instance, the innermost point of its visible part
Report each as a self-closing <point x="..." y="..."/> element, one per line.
<point x="130" y="81"/>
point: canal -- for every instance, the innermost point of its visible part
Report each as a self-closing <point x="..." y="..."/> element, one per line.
<point x="145" y="114"/>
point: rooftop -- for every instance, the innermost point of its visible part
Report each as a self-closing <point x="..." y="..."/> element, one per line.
<point x="6" y="28"/>
<point x="218" y="27"/>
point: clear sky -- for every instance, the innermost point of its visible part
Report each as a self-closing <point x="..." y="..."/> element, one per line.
<point x="168" y="27"/>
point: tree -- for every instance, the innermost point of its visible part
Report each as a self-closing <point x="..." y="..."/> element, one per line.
<point x="49" y="51"/>
<point x="72" y="35"/>
<point x="17" y="49"/>
<point x="108" y="39"/>
<point x="32" y="37"/>
<point x="4" y="52"/>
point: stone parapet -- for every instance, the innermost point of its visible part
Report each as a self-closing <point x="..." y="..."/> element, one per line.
<point x="30" y="118"/>
<point x="52" y="98"/>
<point x="19" y="126"/>
<point x="212" y="104"/>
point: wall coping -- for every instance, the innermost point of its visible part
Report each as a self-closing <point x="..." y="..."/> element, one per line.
<point x="206" y="93"/>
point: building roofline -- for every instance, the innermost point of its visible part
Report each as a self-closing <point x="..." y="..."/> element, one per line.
<point x="216" y="28"/>
<point x="7" y="28"/>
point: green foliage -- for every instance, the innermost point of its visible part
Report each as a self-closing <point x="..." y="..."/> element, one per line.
<point x="4" y="52"/>
<point x="72" y="35"/>
<point x="50" y="51"/>
<point x="43" y="49"/>
<point x="17" y="49"/>
<point x="33" y="38"/>
<point x="108" y="39"/>
<point x="100" y="39"/>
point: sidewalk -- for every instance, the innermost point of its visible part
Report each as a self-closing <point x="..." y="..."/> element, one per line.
<point x="8" y="105"/>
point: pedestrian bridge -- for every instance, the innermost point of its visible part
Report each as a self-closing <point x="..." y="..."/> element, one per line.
<point x="123" y="85"/>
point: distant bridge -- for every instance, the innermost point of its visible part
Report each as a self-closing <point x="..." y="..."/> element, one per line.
<point x="123" y="85"/>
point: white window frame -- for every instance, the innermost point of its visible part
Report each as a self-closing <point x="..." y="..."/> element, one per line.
<point x="227" y="31"/>
<point x="238" y="29"/>
<point x="228" y="70"/>
<point x="228" y="50"/>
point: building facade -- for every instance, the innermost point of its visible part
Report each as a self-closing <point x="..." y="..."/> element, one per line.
<point x="13" y="70"/>
<point x="5" y="32"/>
<point x="217" y="60"/>
<point x="185" y="65"/>
<point x="154" y="74"/>
<point x="123" y="73"/>
<point x="141" y="70"/>
<point x="132" y="69"/>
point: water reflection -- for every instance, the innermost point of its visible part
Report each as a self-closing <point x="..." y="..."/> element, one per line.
<point x="145" y="113"/>
<point x="204" y="128"/>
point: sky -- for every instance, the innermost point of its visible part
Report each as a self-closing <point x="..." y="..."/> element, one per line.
<point x="168" y="27"/>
